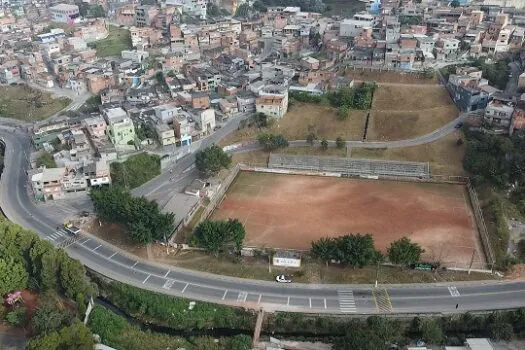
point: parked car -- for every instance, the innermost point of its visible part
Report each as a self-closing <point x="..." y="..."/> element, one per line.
<point x="283" y="279"/>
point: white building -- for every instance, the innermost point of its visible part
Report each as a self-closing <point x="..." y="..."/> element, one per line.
<point x="65" y="13"/>
<point x="206" y="120"/>
<point x="47" y="185"/>
<point x="505" y="3"/>
<point x="286" y="259"/>
<point x="272" y="105"/>
<point x="353" y="27"/>
<point x="135" y="55"/>
<point x="165" y="134"/>
<point x="195" y="8"/>
<point x="113" y="115"/>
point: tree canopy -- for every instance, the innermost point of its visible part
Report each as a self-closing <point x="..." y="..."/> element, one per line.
<point x="214" y="236"/>
<point x="404" y="252"/>
<point x="211" y="160"/>
<point x="142" y="217"/>
<point x="271" y="142"/>
<point x="356" y="250"/>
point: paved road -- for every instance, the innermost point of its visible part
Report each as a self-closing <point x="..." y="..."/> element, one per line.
<point x="347" y="299"/>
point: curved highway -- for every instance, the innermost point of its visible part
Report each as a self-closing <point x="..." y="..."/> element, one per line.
<point x="348" y="299"/>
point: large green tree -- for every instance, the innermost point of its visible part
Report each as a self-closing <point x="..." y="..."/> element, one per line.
<point x="356" y="250"/>
<point x="324" y="249"/>
<point x="49" y="317"/>
<point x="74" y="337"/>
<point x="216" y="235"/>
<point x="211" y="160"/>
<point x="404" y="252"/>
<point x="13" y="275"/>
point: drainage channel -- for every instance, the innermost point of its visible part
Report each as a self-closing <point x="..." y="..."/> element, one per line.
<point x="366" y="126"/>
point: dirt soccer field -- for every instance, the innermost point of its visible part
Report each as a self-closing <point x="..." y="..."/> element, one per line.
<point x="290" y="211"/>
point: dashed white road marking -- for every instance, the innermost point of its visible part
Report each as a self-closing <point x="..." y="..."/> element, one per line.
<point x="112" y="255"/>
<point x="184" y="289"/>
<point x="146" y="279"/>
<point x="288" y="301"/>
<point x="454" y="291"/>
<point x="324" y="302"/>
<point x="166" y="275"/>
<point x="135" y="264"/>
<point x="100" y="245"/>
<point x="310" y="301"/>
<point x="224" y="295"/>
<point x="259" y="300"/>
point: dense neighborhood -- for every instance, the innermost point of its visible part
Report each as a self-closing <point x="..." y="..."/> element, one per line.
<point x="171" y="145"/>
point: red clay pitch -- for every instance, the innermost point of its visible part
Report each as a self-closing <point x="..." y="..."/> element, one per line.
<point x="290" y="211"/>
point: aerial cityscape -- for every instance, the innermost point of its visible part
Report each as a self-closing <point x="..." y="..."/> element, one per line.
<point x="262" y="174"/>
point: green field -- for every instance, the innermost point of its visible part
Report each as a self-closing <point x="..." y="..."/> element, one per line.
<point x="25" y="103"/>
<point x="345" y="8"/>
<point x="118" y="39"/>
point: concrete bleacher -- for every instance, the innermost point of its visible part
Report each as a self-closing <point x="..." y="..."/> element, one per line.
<point x="350" y="166"/>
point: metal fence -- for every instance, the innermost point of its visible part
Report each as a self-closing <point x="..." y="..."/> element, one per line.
<point x="349" y="166"/>
<point x="480" y="223"/>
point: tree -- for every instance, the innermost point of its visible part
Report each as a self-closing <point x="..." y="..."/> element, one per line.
<point x="240" y="342"/>
<point x="104" y="323"/>
<point x="310" y="138"/>
<point x="76" y="336"/>
<point x="324" y="249"/>
<point x="17" y="317"/>
<point x="404" y="252"/>
<point x="358" y="337"/>
<point x="271" y="142"/>
<point x="431" y="332"/>
<point x="343" y="112"/>
<point x="355" y="250"/>
<point x="215" y="235"/>
<point x="72" y="276"/>
<point x="211" y="160"/>
<point x="324" y="144"/>
<point x="49" y="317"/>
<point x="13" y="275"/>
<point x="45" y="159"/>
<point x="206" y="343"/>
<point x="454" y="3"/>
<point x="340" y="143"/>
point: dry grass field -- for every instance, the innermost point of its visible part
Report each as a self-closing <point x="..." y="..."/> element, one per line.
<point x="400" y="98"/>
<point x="403" y="112"/>
<point x="294" y="125"/>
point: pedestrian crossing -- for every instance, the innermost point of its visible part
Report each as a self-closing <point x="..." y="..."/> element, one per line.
<point x="346" y="301"/>
<point x="56" y="235"/>
<point x="454" y="291"/>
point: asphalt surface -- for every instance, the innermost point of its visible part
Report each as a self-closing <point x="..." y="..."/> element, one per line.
<point x="346" y="299"/>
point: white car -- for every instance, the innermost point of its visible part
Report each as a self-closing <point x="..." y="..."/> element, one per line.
<point x="283" y="279"/>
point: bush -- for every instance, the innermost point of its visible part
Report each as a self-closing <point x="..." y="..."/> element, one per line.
<point x="17" y="317"/>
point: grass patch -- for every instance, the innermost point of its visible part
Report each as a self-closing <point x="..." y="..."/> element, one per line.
<point x="295" y="125"/>
<point x="28" y="104"/>
<point x="410" y="98"/>
<point x="118" y="39"/>
<point x="344" y="8"/>
<point x="135" y="171"/>
<point x="445" y="155"/>
<point x="313" y="272"/>
<point x="400" y="125"/>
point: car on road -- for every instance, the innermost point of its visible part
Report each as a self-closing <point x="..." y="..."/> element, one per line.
<point x="283" y="279"/>
<point x="458" y="125"/>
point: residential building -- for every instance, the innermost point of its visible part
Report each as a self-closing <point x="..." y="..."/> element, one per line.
<point x="353" y="27"/>
<point x="245" y="102"/>
<point x="47" y="184"/>
<point x="113" y="115"/>
<point x="165" y="134"/>
<point x="196" y="8"/>
<point x="200" y="100"/>
<point x="498" y="113"/>
<point x="206" y="120"/>
<point x="96" y="127"/>
<point x="274" y="106"/>
<point x="122" y="133"/>
<point x="65" y="13"/>
<point x="144" y="15"/>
